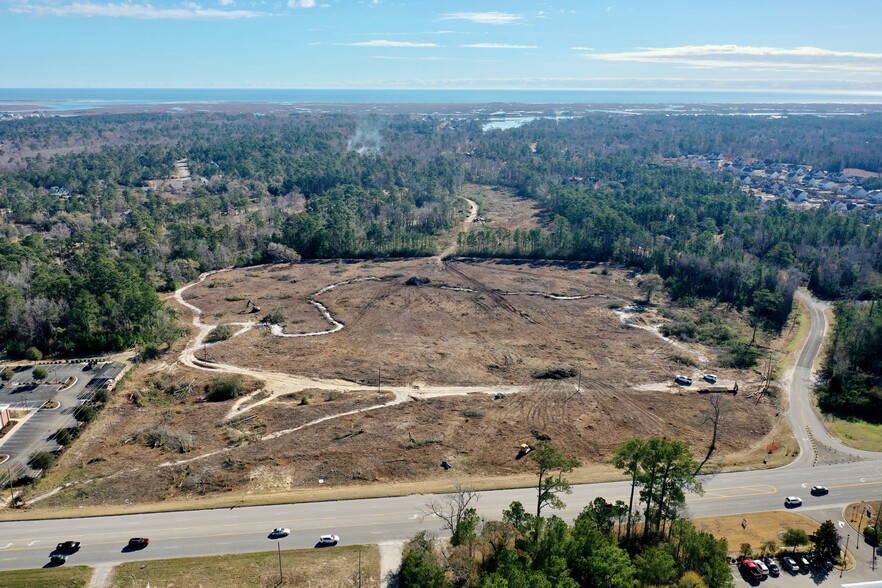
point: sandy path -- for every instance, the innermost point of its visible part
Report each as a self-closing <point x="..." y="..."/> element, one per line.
<point x="466" y="225"/>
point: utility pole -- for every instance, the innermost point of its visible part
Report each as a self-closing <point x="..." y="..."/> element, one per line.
<point x="858" y="540"/>
<point x="281" y="577"/>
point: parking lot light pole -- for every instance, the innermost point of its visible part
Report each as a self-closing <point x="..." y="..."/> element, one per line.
<point x="281" y="577"/>
<point x="845" y="557"/>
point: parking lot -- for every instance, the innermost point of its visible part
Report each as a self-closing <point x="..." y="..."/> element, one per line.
<point x="862" y="572"/>
<point x="67" y="384"/>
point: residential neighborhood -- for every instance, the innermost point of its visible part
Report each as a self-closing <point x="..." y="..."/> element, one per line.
<point x="798" y="185"/>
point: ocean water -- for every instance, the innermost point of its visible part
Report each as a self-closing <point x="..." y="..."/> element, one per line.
<point x="61" y="99"/>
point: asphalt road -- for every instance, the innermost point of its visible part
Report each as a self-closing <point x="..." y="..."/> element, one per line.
<point x="858" y="476"/>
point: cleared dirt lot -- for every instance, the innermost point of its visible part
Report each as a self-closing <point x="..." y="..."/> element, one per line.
<point x="475" y="324"/>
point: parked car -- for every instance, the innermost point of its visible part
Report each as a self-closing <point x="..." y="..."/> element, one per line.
<point x="683" y="380"/>
<point x="791" y="565"/>
<point x="819" y="490"/>
<point x="68" y="547"/>
<point x="773" y="567"/>
<point x="710" y="378"/>
<point x="749" y="568"/>
<point x="792" y="501"/>
<point x="138" y="542"/>
<point x="804" y="563"/>
<point x="827" y="565"/>
<point x="280" y="532"/>
<point x="329" y="539"/>
<point x="762" y="567"/>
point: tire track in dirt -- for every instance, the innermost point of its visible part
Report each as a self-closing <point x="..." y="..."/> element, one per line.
<point x="498" y="299"/>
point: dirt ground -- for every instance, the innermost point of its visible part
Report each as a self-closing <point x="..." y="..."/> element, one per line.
<point x="501" y="208"/>
<point x="475" y="324"/>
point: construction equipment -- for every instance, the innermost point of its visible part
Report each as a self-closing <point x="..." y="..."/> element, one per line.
<point x="250" y="308"/>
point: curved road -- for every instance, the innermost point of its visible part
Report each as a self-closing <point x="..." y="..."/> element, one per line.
<point x="850" y="474"/>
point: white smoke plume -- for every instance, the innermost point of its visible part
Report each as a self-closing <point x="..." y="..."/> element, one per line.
<point x="367" y="138"/>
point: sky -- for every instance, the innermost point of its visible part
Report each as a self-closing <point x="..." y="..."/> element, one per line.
<point x="771" y="45"/>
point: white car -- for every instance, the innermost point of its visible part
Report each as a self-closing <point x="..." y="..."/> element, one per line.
<point x="280" y="532"/>
<point x="762" y="566"/>
<point x="329" y="539"/>
<point x="683" y="380"/>
<point x="793" y="501"/>
<point x="710" y="378"/>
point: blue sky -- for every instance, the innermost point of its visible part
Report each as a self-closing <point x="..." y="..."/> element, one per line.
<point x="805" y="45"/>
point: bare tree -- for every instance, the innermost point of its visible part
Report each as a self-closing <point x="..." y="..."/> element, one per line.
<point x="717" y="408"/>
<point x="451" y="508"/>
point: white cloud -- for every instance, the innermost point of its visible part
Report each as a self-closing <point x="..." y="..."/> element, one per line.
<point x="494" y="18"/>
<point x="138" y="11"/>
<point x="385" y="43"/>
<point x="226" y="2"/>
<point x="583" y="48"/>
<point x="301" y="3"/>
<point x="498" y="46"/>
<point x="745" y="56"/>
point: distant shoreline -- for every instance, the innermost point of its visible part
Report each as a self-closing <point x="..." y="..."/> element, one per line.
<point x="79" y="100"/>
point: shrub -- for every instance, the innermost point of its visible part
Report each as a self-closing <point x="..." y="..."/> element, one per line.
<point x="275" y="317"/>
<point x="85" y="413"/>
<point x="220" y="333"/>
<point x="7" y="374"/>
<point x="33" y="354"/>
<point x="41" y="460"/>
<point x="166" y="439"/>
<point x="63" y="437"/>
<point x="555" y="373"/>
<point x="40" y="373"/>
<point x="225" y="388"/>
<point x="872" y="536"/>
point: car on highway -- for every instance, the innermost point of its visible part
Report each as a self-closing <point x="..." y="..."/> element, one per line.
<point x="279" y="532"/>
<point x="683" y="380"/>
<point x="819" y="490"/>
<point x="792" y="501"/>
<point x="329" y="539"/>
<point x="68" y="547"/>
<point x="774" y="570"/>
<point x="710" y="378"/>
<point x="58" y="558"/>
<point x="138" y="542"/>
<point x="791" y="565"/>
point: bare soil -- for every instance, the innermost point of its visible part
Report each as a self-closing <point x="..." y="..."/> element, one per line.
<point x="475" y="324"/>
<point x="500" y="207"/>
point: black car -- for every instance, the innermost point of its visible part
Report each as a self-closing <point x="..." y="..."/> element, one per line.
<point x="774" y="570"/>
<point x="138" y="542"/>
<point x="58" y="558"/>
<point x="819" y="490"/>
<point x="68" y="547"/>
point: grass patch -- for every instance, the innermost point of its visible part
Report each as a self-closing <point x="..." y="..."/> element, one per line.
<point x="760" y="527"/>
<point x="337" y="566"/>
<point x="855" y="432"/>
<point x="60" y="577"/>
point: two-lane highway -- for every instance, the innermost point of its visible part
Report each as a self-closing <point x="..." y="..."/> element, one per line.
<point x="28" y="543"/>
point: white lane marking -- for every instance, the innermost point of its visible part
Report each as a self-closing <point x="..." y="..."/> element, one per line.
<point x="841" y="524"/>
<point x="7" y="545"/>
<point x="33" y="542"/>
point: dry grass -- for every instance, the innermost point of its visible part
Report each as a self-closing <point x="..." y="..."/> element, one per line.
<point x="420" y="336"/>
<point x="760" y="527"/>
<point x="319" y="568"/>
<point x="501" y="208"/>
<point x="60" y="577"/>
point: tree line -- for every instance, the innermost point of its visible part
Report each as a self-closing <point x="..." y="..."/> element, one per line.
<point x="645" y="542"/>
